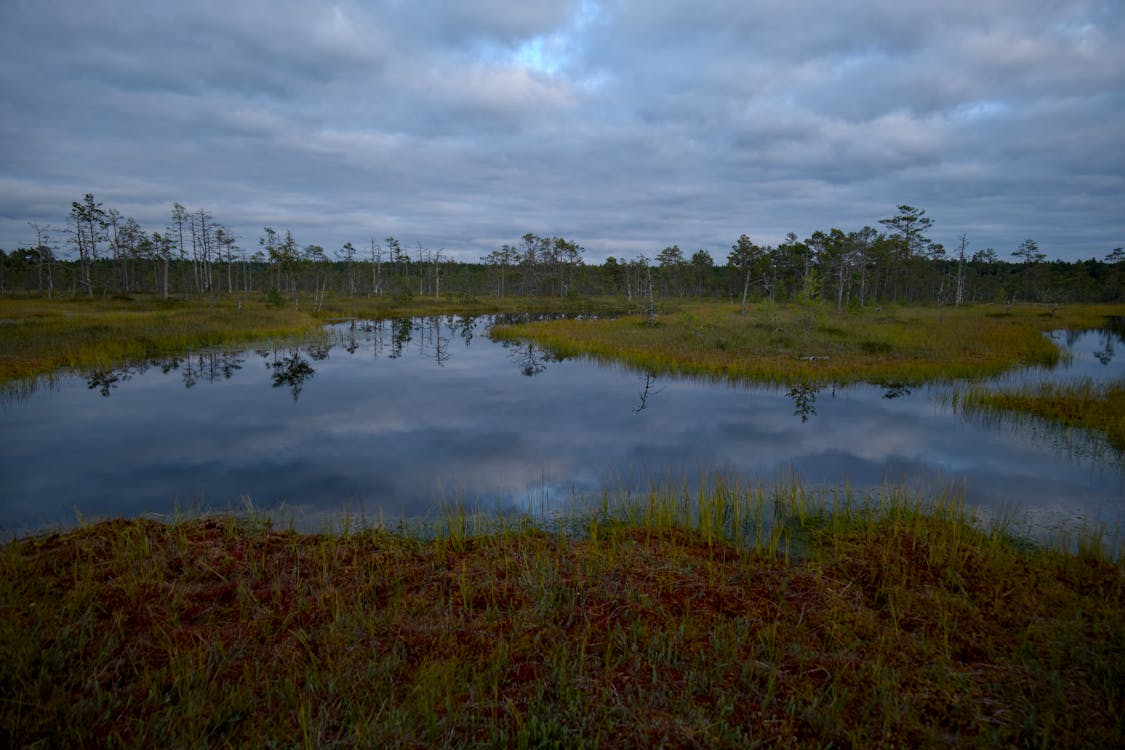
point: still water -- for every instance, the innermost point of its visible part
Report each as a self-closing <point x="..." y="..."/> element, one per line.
<point x="389" y="419"/>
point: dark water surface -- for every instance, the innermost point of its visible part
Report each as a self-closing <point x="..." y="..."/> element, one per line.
<point x="390" y="419"/>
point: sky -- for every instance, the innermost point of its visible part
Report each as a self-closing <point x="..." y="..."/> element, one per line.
<point x="625" y="125"/>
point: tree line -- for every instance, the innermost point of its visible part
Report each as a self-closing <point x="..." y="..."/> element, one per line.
<point x="102" y="252"/>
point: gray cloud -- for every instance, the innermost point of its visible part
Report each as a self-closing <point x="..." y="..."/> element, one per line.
<point x="623" y="124"/>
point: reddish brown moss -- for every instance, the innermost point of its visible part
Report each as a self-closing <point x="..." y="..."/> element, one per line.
<point x="140" y="633"/>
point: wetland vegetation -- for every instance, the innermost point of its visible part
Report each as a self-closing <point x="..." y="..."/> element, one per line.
<point x="42" y="336"/>
<point x="793" y="343"/>
<point x="797" y="346"/>
<point x="1085" y="404"/>
<point x="728" y="618"/>
<point x="723" y="615"/>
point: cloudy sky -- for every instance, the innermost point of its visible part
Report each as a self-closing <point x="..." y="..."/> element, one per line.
<point x="627" y="125"/>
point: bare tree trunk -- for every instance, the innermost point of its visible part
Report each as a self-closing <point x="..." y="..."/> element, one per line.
<point x="437" y="275"/>
<point x="961" y="274"/>
<point x="840" y="287"/>
<point x="374" y="270"/>
<point x="83" y="258"/>
<point x="745" y="291"/>
<point x="650" y="302"/>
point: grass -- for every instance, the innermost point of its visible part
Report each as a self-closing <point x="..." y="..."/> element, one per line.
<point x="787" y="344"/>
<point x="727" y="617"/>
<point x="1085" y="404"/>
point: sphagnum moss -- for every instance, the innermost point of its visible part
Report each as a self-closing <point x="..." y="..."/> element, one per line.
<point x="889" y="623"/>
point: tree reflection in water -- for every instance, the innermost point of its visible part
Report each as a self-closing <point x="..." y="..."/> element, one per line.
<point x="194" y="368"/>
<point x="804" y="399"/>
<point x="104" y="381"/>
<point x="401" y="413"/>
<point x="646" y="391"/>
<point x="291" y="368"/>
<point x="464" y="326"/>
<point x="529" y="358"/>
<point x="1106" y="353"/>
<point x="894" y="390"/>
<point x="291" y="371"/>
<point x="402" y="331"/>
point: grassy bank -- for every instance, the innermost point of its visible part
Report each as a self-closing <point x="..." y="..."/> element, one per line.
<point x="787" y="344"/>
<point x="1085" y="404"/>
<point x="719" y="619"/>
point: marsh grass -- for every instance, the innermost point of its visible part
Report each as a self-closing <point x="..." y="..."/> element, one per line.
<point x="1084" y="404"/>
<point x="41" y="336"/>
<point x="784" y="344"/>
<point x="725" y="617"/>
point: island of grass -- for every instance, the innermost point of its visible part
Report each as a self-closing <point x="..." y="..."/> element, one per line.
<point x="797" y="344"/>
<point x="671" y="620"/>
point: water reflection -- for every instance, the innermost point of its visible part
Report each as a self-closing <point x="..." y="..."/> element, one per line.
<point x="402" y="331"/>
<point x="433" y="335"/>
<point x="391" y="417"/>
<point x="464" y="326"/>
<point x="646" y="391"/>
<point x="209" y="367"/>
<point x="1088" y="361"/>
<point x="1077" y="445"/>
<point x="292" y="370"/>
<point x="895" y="390"/>
<point x="530" y="358"/>
<point x="1112" y="334"/>
<point x="387" y="337"/>
<point x="1106" y="353"/>
<point x="1084" y="349"/>
<point x="104" y="381"/>
<point x="803" y="396"/>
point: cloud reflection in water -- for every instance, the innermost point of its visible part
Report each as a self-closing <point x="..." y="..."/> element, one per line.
<point x="394" y="417"/>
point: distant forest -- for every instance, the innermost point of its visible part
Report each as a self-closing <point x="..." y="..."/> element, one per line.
<point x="101" y="252"/>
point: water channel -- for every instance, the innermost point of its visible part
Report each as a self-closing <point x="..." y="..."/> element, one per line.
<point x="388" y="420"/>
